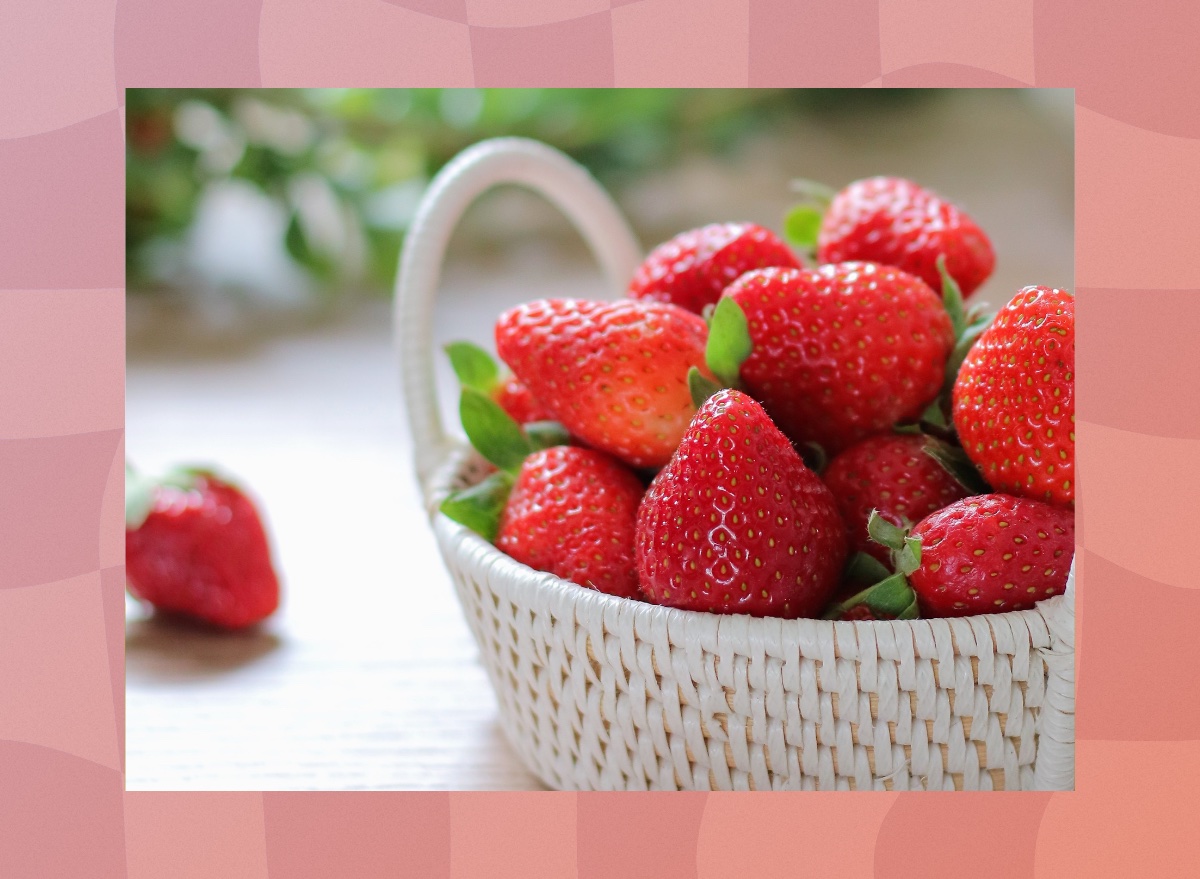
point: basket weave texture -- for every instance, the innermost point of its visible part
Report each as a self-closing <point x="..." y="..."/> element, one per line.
<point x="603" y="693"/>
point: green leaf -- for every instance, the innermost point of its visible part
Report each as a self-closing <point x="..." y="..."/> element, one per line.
<point x="954" y="461"/>
<point x="908" y="559"/>
<point x="546" y="434"/>
<point x="962" y="347"/>
<point x="492" y="431"/>
<point x="865" y="568"/>
<point x="815" y="192"/>
<point x="700" y="386"/>
<point x="891" y="596"/>
<point x="480" y="506"/>
<point x="141" y="490"/>
<point x="139" y="498"/>
<point x="934" y="414"/>
<point x="911" y="612"/>
<point x="884" y="532"/>
<point x="801" y="226"/>
<point x="728" y="342"/>
<point x="474" y="367"/>
<point x="952" y="298"/>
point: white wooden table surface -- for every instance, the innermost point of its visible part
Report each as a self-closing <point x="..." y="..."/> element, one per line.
<point x="367" y="677"/>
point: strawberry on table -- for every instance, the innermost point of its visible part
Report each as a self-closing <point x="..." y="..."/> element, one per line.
<point x="990" y="553"/>
<point x="893" y="474"/>
<point x="195" y="545"/>
<point x="1014" y="400"/>
<point x="567" y="510"/>
<point x="736" y="523"/>
<point x="894" y="221"/>
<point x="835" y="354"/>
<point x="476" y="369"/>
<point x="614" y="374"/>
<point x="694" y="267"/>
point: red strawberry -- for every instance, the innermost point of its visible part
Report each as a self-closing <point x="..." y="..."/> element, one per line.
<point x="736" y="523"/>
<point x="572" y="512"/>
<point x="613" y="373"/>
<point x="694" y="267"/>
<point x="195" y="546"/>
<point x="891" y="473"/>
<point x="990" y="553"/>
<point x="836" y="353"/>
<point x="476" y="369"/>
<point x="894" y="221"/>
<point x="563" y="509"/>
<point x="515" y="399"/>
<point x="1014" y="399"/>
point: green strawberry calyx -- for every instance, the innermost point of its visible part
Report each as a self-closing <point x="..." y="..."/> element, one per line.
<point x="503" y="442"/>
<point x="727" y="348"/>
<point x="474" y="367"/>
<point x="951" y="458"/>
<point x="802" y="222"/>
<point x="141" y="489"/>
<point x="891" y="596"/>
<point x="968" y="324"/>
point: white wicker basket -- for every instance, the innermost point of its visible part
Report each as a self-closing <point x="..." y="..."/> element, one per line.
<point x="598" y="692"/>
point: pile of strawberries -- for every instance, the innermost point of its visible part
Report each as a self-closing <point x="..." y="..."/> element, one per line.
<point x="750" y="432"/>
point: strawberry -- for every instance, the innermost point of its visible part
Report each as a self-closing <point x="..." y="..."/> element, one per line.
<point x="572" y="512"/>
<point x="1014" y="398"/>
<point x="989" y="553"/>
<point x="476" y="369"/>
<point x="891" y="473"/>
<point x="895" y="222"/>
<point x="736" y="523"/>
<point x="195" y="545"/>
<point x="613" y="373"/>
<point x="515" y="399"/>
<point x="563" y="509"/>
<point x="694" y="267"/>
<point x="836" y="353"/>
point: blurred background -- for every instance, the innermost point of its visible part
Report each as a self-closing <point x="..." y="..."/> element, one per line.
<point x="262" y="233"/>
<point x="244" y="200"/>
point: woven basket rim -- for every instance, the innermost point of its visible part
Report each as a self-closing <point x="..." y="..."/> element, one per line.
<point x="558" y="590"/>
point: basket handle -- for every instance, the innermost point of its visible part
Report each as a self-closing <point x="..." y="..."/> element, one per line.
<point x="477" y="169"/>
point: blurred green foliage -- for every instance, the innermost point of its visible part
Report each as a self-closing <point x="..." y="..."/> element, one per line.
<point x="349" y="165"/>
